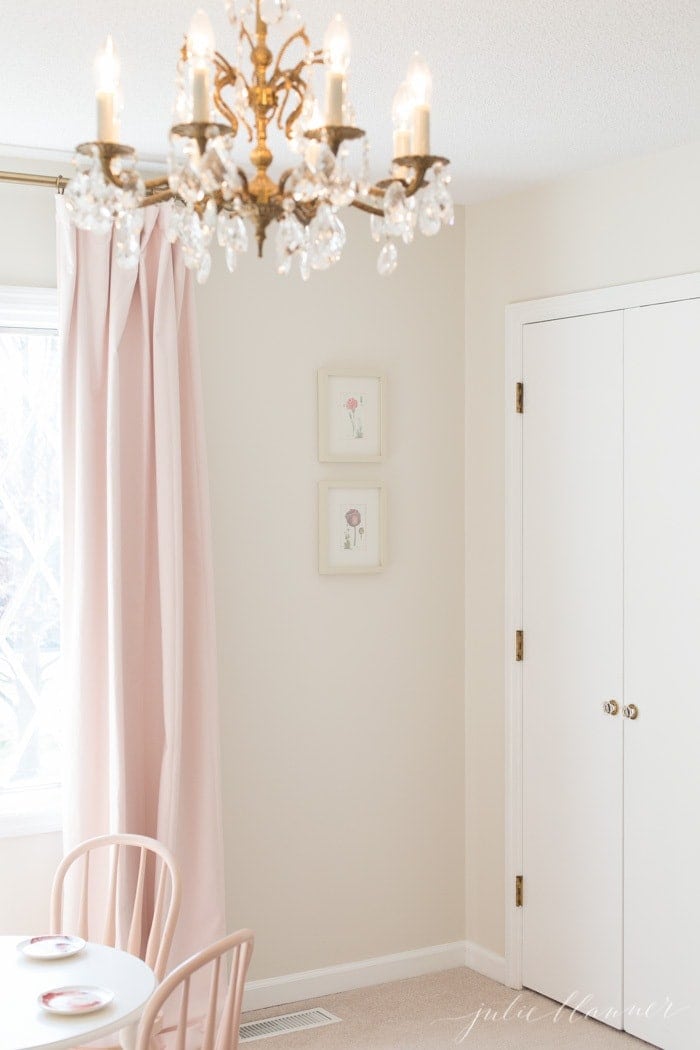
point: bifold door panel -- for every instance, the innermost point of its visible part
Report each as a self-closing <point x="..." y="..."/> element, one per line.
<point x="611" y="675"/>
<point x="662" y="674"/>
<point x="572" y="614"/>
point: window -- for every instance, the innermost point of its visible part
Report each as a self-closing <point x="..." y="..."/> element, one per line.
<point x="30" y="558"/>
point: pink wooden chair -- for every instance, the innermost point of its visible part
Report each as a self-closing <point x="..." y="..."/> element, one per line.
<point x="220" y="1024"/>
<point x="132" y="879"/>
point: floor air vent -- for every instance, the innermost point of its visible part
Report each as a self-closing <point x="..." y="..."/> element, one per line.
<point x="270" y="1026"/>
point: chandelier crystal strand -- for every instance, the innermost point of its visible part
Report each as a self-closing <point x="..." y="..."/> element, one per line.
<point x="223" y="111"/>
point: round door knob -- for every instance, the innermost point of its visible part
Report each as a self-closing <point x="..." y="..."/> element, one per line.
<point x="630" y="711"/>
<point x="611" y="707"/>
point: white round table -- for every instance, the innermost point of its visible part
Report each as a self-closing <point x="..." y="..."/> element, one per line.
<point x="25" y="1025"/>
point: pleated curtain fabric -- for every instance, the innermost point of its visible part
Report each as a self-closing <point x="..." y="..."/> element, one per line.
<point x="138" y="629"/>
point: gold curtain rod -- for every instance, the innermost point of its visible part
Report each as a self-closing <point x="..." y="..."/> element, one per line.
<point x="24" y="178"/>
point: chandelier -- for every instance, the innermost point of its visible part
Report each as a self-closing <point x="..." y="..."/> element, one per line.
<point x="215" y="197"/>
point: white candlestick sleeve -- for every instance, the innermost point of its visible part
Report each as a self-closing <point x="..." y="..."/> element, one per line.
<point x="402" y="142"/>
<point x="106" y="116"/>
<point x="201" y="105"/>
<point x="335" y="97"/>
<point x="421" y="130"/>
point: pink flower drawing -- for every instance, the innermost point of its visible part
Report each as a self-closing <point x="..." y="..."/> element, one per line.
<point x="353" y="518"/>
<point x="354" y="410"/>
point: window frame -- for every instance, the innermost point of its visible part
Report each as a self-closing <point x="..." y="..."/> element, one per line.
<point x="35" y="310"/>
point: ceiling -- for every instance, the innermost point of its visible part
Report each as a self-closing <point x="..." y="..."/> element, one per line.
<point x="524" y="90"/>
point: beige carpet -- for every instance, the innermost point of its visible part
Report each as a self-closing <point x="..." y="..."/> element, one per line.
<point x="436" y="1013"/>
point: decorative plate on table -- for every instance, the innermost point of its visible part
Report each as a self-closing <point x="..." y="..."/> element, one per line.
<point x="76" y="999"/>
<point x="51" y="946"/>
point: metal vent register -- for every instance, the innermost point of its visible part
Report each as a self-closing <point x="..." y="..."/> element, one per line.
<point x="269" y="1026"/>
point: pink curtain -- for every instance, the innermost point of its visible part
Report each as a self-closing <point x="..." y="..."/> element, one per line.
<point x="142" y="752"/>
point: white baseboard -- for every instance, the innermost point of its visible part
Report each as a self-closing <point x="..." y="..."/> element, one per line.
<point x="485" y="962"/>
<point x="294" y="987"/>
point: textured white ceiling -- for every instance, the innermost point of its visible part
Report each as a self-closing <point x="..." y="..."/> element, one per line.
<point x="524" y="89"/>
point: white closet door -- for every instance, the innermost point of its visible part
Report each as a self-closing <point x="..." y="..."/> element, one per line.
<point x="572" y="620"/>
<point x="662" y="674"/>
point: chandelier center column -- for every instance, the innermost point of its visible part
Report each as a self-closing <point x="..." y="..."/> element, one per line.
<point x="264" y="101"/>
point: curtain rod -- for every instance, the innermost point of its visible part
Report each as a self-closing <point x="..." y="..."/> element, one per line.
<point x="23" y="178"/>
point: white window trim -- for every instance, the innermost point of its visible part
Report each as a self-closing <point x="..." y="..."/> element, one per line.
<point x="33" y="308"/>
<point x="29" y="811"/>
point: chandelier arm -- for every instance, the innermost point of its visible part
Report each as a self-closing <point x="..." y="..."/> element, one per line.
<point x="227" y="112"/>
<point x="244" y="181"/>
<point x="283" y="179"/>
<point x="106" y="165"/>
<point x="155" y="184"/>
<point x="226" y="76"/>
<point x="369" y="208"/>
<point x="156" y="198"/>
<point x="299" y="35"/>
<point x="305" y="211"/>
<point x="294" y="115"/>
<point x="245" y="35"/>
<point x="291" y="120"/>
<point x="289" y="80"/>
<point x="280" y="109"/>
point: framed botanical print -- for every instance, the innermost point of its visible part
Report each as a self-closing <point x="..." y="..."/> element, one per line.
<point x="351" y="423"/>
<point x="352" y="526"/>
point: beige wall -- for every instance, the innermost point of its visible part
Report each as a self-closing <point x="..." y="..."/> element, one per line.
<point x="341" y="698"/>
<point x="631" y="222"/>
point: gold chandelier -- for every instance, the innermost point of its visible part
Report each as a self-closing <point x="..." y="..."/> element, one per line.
<point x="212" y="193"/>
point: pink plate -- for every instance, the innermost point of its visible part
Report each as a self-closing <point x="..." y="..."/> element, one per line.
<point x="51" y="946"/>
<point x="76" y="999"/>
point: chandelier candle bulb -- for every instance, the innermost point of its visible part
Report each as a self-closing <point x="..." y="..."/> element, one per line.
<point x="107" y="85"/>
<point x="420" y="141"/>
<point x="336" y="46"/>
<point x="402" y="142"/>
<point x="335" y="98"/>
<point x="200" y="47"/>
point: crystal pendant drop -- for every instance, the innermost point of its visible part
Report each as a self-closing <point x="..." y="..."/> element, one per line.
<point x="376" y="228"/>
<point x="443" y="197"/>
<point x="209" y="218"/>
<point x="429" y="222"/>
<point x="292" y="238"/>
<point x="364" y="181"/>
<point x="271" y="11"/>
<point x="395" y="203"/>
<point x="399" y="212"/>
<point x="320" y="160"/>
<point x="174" y="223"/>
<point x="388" y="259"/>
<point x="327" y="238"/>
<point x="240" y="97"/>
<point x="342" y="185"/>
<point x="232" y="235"/>
<point x="127" y="229"/>
<point x="184" y="169"/>
<point x="302" y="184"/>
<point x="238" y="234"/>
<point x="204" y="268"/>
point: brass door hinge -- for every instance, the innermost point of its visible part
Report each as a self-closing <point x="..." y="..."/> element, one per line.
<point x="518" y="891"/>
<point x="518" y="645"/>
<point x="519" y="397"/>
